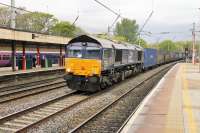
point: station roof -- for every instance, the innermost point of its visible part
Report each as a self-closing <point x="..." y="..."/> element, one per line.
<point x="10" y="34"/>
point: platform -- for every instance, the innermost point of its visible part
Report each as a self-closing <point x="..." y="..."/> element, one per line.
<point x="173" y="106"/>
<point x="7" y="71"/>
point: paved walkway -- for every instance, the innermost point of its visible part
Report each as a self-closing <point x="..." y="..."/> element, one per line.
<point x="173" y="106"/>
<point x="7" y="70"/>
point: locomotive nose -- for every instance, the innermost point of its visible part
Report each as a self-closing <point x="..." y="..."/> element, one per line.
<point x="84" y="67"/>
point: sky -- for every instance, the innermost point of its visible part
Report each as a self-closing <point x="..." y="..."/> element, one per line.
<point x="174" y="16"/>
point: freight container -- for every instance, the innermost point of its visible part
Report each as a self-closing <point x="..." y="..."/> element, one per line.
<point x="150" y="57"/>
<point x="167" y="57"/>
<point x="161" y="57"/>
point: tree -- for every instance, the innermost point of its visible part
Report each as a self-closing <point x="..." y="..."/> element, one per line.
<point x="119" y="38"/>
<point x="142" y="43"/>
<point x="36" y="22"/>
<point x="29" y="21"/>
<point x="78" y="31"/>
<point x="167" y="45"/>
<point x="64" y="28"/>
<point x="5" y="16"/>
<point x="128" y="29"/>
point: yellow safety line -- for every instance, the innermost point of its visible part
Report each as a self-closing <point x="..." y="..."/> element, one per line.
<point x="187" y="102"/>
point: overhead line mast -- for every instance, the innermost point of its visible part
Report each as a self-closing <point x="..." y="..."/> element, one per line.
<point x="111" y="10"/>
<point x="145" y="23"/>
<point x="193" y="44"/>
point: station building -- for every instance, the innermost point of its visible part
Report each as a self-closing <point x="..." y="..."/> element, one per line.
<point x="23" y="50"/>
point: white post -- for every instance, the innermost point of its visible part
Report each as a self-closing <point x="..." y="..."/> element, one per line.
<point x="12" y="24"/>
<point x="193" y="45"/>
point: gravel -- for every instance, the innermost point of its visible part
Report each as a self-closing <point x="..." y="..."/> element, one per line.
<point x="111" y="119"/>
<point x="30" y="101"/>
<point x="68" y="120"/>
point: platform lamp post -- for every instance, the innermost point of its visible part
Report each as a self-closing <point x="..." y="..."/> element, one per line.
<point x="193" y="43"/>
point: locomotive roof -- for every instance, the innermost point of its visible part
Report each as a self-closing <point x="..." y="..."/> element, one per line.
<point x="131" y="46"/>
<point x="139" y="48"/>
<point x="105" y="43"/>
<point x="86" y="38"/>
<point x="120" y="46"/>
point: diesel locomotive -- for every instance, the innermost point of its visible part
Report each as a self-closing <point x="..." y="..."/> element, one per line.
<point x="92" y="63"/>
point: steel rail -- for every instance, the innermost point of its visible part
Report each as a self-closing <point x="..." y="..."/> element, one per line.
<point x="31" y="94"/>
<point x="112" y="103"/>
<point x="16" y="114"/>
<point x="29" y="84"/>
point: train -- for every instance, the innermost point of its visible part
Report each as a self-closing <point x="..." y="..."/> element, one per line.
<point x="93" y="64"/>
<point x="5" y="57"/>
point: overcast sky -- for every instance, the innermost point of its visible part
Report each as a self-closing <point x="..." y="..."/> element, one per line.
<point x="174" y="16"/>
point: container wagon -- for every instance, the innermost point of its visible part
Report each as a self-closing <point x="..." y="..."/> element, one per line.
<point x="150" y="57"/>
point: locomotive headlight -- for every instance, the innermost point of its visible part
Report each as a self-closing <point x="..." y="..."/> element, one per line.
<point x="68" y="70"/>
<point x="94" y="71"/>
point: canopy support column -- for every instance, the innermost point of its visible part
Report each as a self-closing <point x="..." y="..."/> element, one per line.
<point x="13" y="57"/>
<point x="38" y="55"/>
<point x="61" y="58"/>
<point x="24" y="58"/>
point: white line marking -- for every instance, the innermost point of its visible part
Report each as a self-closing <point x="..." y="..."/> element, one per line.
<point x="144" y="102"/>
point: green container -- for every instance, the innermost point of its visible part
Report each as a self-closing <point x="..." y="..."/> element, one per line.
<point x="29" y="64"/>
<point x="46" y="63"/>
<point x="20" y="63"/>
<point x="49" y="63"/>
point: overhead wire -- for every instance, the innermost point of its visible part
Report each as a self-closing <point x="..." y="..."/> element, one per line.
<point x="108" y="8"/>
<point x="15" y="7"/>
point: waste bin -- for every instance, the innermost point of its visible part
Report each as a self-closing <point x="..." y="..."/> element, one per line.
<point x="20" y="63"/>
<point x="29" y="64"/>
<point x="49" y="63"/>
<point x="46" y="63"/>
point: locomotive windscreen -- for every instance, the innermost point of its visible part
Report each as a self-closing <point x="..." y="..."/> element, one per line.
<point x="84" y="50"/>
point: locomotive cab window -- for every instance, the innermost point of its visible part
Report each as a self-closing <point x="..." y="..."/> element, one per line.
<point x="92" y="53"/>
<point x="84" y="50"/>
<point x="74" y="52"/>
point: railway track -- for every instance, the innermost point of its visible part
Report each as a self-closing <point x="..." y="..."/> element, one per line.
<point x="14" y="94"/>
<point x="71" y="119"/>
<point x="111" y="117"/>
<point x="22" y="120"/>
<point x="29" y="119"/>
<point x="22" y="84"/>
